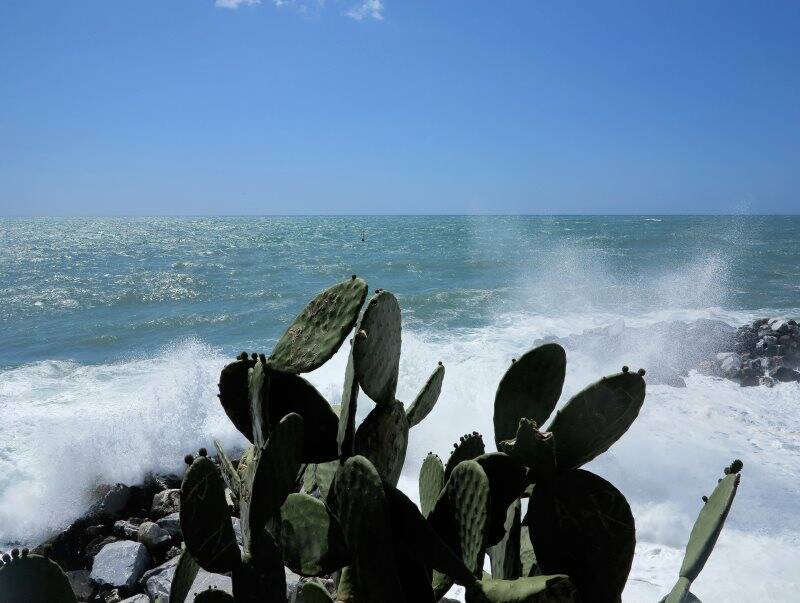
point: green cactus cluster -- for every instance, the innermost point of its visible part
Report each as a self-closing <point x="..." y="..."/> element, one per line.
<point x="317" y="493"/>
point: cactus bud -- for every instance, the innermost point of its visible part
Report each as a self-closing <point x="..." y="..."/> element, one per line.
<point x="705" y="499"/>
<point x="25" y="552"/>
<point x="262" y="358"/>
<point x="440" y="363"/>
<point x="188" y="459"/>
<point x="7" y="558"/>
<point x="254" y="356"/>
<point x="513" y="360"/>
<point x="202" y="452"/>
<point x="352" y="277"/>
<point x="242" y="356"/>
<point x="625" y="369"/>
<point x="641" y="372"/>
<point x="15" y="553"/>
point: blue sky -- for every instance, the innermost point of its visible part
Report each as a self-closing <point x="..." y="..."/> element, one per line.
<point x="398" y="106"/>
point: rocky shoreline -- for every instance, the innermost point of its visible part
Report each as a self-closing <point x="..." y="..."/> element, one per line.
<point x="764" y="352"/>
<point x="127" y="546"/>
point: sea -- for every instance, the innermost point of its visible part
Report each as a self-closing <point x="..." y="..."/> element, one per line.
<point x="113" y="332"/>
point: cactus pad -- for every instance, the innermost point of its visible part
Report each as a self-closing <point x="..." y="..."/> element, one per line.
<point x="427" y="397"/>
<point x="383" y="438"/>
<point x="234" y="394"/>
<point x="363" y="513"/>
<point x="273" y="475"/>
<point x="431" y="482"/>
<point x="529" y="390"/>
<point x="376" y="348"/>
<point x="318" y="332"/>
<point x="468" y="447"/>
<point x="538" y="589"/>
<point x="205" y="520"/>
<point x="311" y="538"/>
<point x="596" y="418"/>
<point x="229" y="473"/>
<point x="183" y="578"/>
<point x="213" y="595"/>
<point x="507" y="481"/>
<point x="34" y="579"/>
<point x="505" y="555"/>
<point x="461" y="513"/>
<point x="708" y="526"/>
<point x="291" y="393"/>
<point x="582" y="526"/>
<point x="345" y="436"/>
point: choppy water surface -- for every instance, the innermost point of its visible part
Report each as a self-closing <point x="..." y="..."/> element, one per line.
<point x="113" y="331"/>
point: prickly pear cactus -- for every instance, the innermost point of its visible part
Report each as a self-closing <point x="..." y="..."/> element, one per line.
<point x="533" y="448"/>
<point x="363" y="513"/>
<point x="311" y="538"/>
<point x="345" y="436"/>
<point x="507" y="481"/>
<point x="538" y="589"/>
<point x="427" y="397"/>
<point x="292" y="394"/>
<point x="705" y="533"/>
<point x="318" y="332"/>
<point x="205" y="520"/>
<point x="530" y="389"/>
<point x="468" y="447"/>
<point x="33" y="579"/>
<point x="185" y="574"/>
<point x="461" y="513"/>
<point x="213" y="595"/>
<point x="505" y="555"/>
<point x="383" y="438"/>
<point x="431" y="482"/>
<point x="376" y="348"/>
<point x="595" y="418"/>
<point x="234" y="394"/>
<point x="582" y="526"/>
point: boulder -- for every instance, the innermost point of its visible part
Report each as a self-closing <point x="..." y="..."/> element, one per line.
<point x="784" y="374"/>
<point x="171" y="524"/>
<point x="154" y="537"/>
<point x="120" y="564"/>
<point x="96" y="545"/>
<point x="81" y="584"/>
<point x="137" y="599"/>
<point x="165" y="503"/>
<point x="127" y="528"/>
<point x="157" y="581"/>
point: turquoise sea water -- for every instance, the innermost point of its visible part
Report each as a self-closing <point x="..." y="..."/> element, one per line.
<point x="113" y="331"/>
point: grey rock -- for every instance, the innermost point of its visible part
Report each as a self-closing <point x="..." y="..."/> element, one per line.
<point x="171" y="523"/>
<point x="115" y="500"/>
<point x="165" y="503"/>
<point x="153" y="536"/>
<point x="127" y="529"/>
<point x="111" y="596"/>
<point x="81" y="584"/>
<point x="97" y="544"/>
<point x="730" y="364"/>
<point x="158" y="580"/>
<point x="784" y="374"/>
<point x="137" y="599"/>
<point x="120" y="564"/>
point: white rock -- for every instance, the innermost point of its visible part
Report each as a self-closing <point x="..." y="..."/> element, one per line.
<point x="171" y="523"/>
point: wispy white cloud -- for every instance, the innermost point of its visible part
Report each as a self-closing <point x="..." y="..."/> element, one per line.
<point x="235" y="3"/>
<point x="303" y="6"/>
<point x="367" y="9"/>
